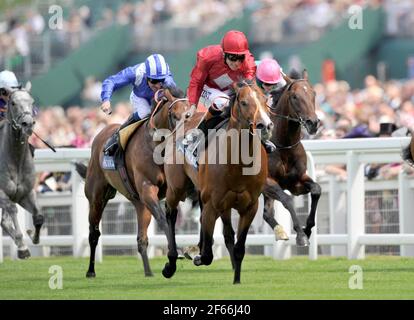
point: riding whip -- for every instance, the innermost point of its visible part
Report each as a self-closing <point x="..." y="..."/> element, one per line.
<point x="46" y="143"/>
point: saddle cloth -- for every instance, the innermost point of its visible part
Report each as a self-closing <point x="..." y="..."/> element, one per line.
<point x="189" y="145"/>
<point x="117" y="160"/>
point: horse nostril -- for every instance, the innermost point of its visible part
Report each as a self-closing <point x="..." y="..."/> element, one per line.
<point x="270" y="126"/>
<point x="260" y="126"/>
<point x="24" y="124"/>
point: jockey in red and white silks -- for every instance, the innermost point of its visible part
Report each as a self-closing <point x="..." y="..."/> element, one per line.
<point x="218" y="67"/>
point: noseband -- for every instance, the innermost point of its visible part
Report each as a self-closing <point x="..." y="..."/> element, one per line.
<point x="14" y="122"/>
<point x="160" y="102"/>
<point x="251" y="123"/>
<point x="298" y="118"/>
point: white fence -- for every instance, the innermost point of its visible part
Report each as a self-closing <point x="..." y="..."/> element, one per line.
<point x="347" y="224"/>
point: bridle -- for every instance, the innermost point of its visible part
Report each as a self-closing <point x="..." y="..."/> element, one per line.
<point x="251" y="123"/>
<point x="157" y="108"/>
<point x="297" y="118"/>
<point x="14" y="121"/>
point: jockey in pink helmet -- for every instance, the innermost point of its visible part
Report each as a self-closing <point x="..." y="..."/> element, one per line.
<point x="269" y="75"/>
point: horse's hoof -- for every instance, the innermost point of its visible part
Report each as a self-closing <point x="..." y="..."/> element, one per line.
<point x="32" y="235"/>
<point x="90" y="274"/>
<point x="307" y="231"/>
<point x="23" y="254"/>
<point x="302" y="240"/>
<point x="191" y="251"/>
<point x="197" y="260"/>
<point x="168" y="271"/>
<point x="280" y="234"/>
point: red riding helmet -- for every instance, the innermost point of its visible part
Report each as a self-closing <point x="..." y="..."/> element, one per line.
<point x="235" y="42"/>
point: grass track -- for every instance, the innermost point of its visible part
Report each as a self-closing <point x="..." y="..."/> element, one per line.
<point x="262" y="278"/>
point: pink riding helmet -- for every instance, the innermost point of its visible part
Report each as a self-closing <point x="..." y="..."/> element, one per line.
<point x="268" y="71"/>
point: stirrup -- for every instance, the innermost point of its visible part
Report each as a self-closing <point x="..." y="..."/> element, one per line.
<point x="111" y="145"/>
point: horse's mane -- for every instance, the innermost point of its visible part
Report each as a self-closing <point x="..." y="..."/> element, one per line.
<point x="176" y="92"/>
<point x="240" y="84"/>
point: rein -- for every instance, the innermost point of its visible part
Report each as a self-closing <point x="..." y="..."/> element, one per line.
<point x="14" y="121"/>
<point x="297" y="119"/>
<point x="157" y="108"/>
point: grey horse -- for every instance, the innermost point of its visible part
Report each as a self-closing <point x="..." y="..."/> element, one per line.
<point x="17" y="174"/>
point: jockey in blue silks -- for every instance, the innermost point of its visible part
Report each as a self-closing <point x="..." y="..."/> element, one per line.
<point x="8" y="82"/>
<point x="146" y="78"/>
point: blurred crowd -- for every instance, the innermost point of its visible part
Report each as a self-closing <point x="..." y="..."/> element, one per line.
<point x="377" y="110"/>
<point x="272" y="21"/>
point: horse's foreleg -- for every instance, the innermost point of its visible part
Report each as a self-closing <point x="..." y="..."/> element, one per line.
<point x="10" y="225"/>
<point x="144" y="219"/>
<point x="209" y="217"/>
<point x="245" y="221"/>
<point x="171" y="266"/>
<point x="269" y="217"/>
<point x="315" y="190"/>
<point x="228" y="234"/>
<point x="29" y="203"/>
<point x="274" y="191"/>
<point x="149" y="196"/>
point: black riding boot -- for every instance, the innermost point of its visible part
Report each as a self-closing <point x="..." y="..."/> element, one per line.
<point x="269" y="146"/>
<point x="112" y="144"/>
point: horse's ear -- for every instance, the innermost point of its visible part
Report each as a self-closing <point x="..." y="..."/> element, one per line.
<point x="168" y="95"/>
<point x="305" y="74"/>
<point x="28" y="86"/>
<point x="287" y="79"/>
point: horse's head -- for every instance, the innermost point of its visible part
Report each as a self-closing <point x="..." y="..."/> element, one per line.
<point x="299" y="97"/>
<point x="174" y="108"/>
<point x="249" y="108"/>
<point x="20" y="110"/>
<point x="178" y="105"/>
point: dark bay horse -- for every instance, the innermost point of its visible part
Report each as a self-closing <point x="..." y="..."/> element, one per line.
<point x="17" y="173"/>
<point x="147" y="177"/>
<point x="227" y="185"/>
<point x="287" y="165"/>
<point x="408" y="152"/>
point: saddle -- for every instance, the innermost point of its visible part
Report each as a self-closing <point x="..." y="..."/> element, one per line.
<point x="117" y="161"/>
<point x="190" y="144"/>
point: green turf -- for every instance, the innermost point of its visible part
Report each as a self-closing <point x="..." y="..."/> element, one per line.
<point x="262" y="278"/>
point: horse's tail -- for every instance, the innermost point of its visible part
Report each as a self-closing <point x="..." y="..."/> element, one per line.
<point x="81" y="169"/>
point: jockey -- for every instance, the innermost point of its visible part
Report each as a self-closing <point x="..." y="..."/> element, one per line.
<point x="269" y="77"/>
<point x="146" y="78"/>
<point x="216" y="69"/>
<point x="8" y="81"/>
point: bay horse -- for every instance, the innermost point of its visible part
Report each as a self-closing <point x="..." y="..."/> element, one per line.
<point x="408" y="152"/>
<point x="224" y="186"/>
<point x="147" y="177"/>
<point x="287" y="165"/>
<point x="17" y="172"/>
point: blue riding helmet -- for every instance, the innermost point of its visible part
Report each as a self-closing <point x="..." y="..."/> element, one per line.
<point x="156" y="67"/>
